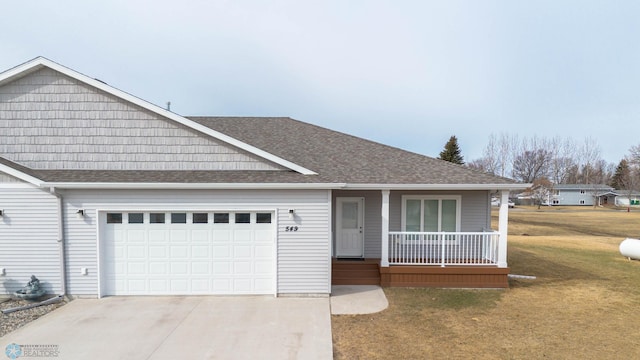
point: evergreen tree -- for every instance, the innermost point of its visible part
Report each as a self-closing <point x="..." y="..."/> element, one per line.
<point x="451" y="152"/>
<point x="621" y="176"/>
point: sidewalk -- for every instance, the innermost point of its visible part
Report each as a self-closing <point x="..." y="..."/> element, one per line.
<point x="357" y="299"/>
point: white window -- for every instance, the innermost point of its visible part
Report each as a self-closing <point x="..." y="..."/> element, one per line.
<point x="431" y="213"/>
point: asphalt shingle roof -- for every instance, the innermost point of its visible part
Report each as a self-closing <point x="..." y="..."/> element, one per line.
<point x="340" y="157"/>
<point x="335" y="156"/>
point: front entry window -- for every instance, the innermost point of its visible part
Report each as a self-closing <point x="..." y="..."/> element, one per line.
<point x="349" y="215"/>
<point x="431" y="213"/>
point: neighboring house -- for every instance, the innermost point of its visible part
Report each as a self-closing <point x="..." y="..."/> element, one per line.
<point x="624" y="198"/>
<point x="580" y="194"/>
<point x="103" y="193"/>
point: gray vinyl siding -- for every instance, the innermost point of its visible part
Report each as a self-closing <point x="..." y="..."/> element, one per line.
<point x="51" y="121"/>
<point x="28" y="239"/>
<point x="574" y="197"/>
<point x="475" y="214"/>
<point x="303" y="260"/>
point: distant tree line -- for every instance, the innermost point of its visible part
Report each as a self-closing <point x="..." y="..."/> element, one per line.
<point x="556" y="160"/>
<point x="545" y="162"/>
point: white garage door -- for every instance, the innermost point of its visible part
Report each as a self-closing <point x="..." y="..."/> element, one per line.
<point x="179" y="253"/>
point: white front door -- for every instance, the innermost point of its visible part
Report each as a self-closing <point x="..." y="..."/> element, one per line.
<point x="350" y="227"/>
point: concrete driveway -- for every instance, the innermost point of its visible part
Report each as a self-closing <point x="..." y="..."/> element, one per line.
<point x="244" y="327"/>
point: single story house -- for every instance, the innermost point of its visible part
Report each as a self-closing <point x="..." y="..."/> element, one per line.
<point x="624" y="198"/>
<point x="102" y="193"/>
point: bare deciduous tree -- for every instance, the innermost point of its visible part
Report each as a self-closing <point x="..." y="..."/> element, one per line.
<point x="563" y="159"/>
<point x="531" y="162"/>
<point x="541" y="191"/>
<point x="589" y="155"/>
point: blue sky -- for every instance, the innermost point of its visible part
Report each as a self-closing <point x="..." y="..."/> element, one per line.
<point x="405" y="73"/>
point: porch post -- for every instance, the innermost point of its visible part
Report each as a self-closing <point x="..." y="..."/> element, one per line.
<point x="503" y="222"/>
<point x="384" y="257"/>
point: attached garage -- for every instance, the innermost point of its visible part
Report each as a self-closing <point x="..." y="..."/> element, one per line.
<point x="187" y="253"/>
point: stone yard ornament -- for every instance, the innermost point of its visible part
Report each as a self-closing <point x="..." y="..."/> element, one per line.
<point x="31" y="291"/>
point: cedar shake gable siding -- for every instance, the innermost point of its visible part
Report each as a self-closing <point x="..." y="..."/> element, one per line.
<point x="51" y="121"/>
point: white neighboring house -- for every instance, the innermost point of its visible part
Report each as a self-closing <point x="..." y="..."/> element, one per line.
<point x="102" y="193"/>
<point x="496" y="202"/>
<point x="625" y="198"/>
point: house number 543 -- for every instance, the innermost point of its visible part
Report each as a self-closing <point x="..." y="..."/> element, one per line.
<point x="291" y="228"/>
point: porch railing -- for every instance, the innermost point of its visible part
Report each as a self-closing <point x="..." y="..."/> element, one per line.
<point x="443" y="248"/>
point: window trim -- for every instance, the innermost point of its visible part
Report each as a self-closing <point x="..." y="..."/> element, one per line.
<point x="403" y="213"/>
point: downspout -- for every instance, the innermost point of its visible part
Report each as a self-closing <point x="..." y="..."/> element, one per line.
<point x="60" y="239"/>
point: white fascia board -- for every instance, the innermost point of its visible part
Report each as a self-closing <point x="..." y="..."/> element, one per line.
<point x="283" y="186"/>
<point x="208" y="186"/>
<point x="41" y="61"/>
<point x="490" y="187"/>
<point x="20" y="175"/>
<point x="21" y="70"/>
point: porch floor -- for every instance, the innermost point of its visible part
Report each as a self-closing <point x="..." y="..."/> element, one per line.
<point x="369" y="272"/>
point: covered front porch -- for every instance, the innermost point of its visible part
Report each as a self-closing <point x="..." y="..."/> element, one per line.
<point x="463" y="253"/>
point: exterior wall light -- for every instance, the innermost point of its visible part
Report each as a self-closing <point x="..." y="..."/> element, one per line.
<point x="291" y="213"/>
<point x="80" y="213"/>
<point x="1" y="213"/>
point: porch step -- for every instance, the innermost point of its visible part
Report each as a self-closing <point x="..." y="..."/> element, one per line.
<point x="355" y="273"/>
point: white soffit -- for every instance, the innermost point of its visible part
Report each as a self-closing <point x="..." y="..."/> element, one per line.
<point x="39" y="62"/>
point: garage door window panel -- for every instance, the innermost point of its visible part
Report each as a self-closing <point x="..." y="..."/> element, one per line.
<point x="156" y="218"/>
<point x="263" y="218"/>
<point x="200" y="218"/>
<point x="243" y="218"/>
<point x="178" y="218"/>
<point x="114" y="218"/>
<point x="136" y="218"/>
<point x="221" y="218"/>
